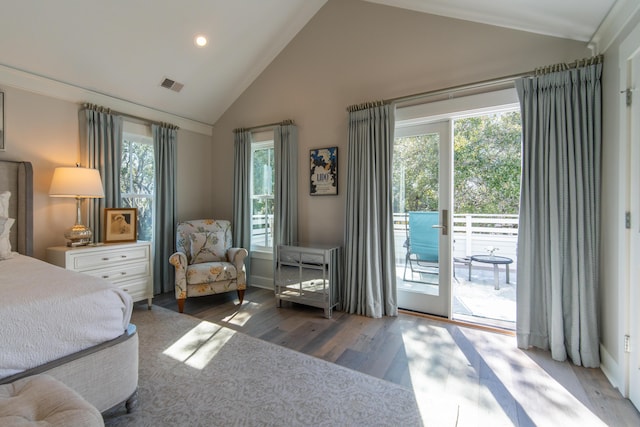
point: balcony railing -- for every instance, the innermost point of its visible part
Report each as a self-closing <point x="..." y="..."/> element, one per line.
<point x="472" y="234"/>
<point x="262" y="230"/>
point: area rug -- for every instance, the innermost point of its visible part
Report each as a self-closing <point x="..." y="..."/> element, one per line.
<point x="197" y="373"/>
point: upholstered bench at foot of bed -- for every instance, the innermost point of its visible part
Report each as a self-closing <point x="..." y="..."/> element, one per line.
<point x="40" y="400"/>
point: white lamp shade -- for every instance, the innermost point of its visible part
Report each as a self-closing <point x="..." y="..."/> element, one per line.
<point x="76" y="182"/>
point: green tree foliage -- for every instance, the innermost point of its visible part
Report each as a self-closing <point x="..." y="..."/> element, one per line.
<point x="487" y="157"/>
<point x="137" y="184"/>
<point x="487" y="153"/>
<point x="415" y="173"/>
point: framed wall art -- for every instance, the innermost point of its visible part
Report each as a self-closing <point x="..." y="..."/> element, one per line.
<point x="120" y="225"/>
<point x="323" y="171"/>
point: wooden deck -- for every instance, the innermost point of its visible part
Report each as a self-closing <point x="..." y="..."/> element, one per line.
<point x="476" y="300"/>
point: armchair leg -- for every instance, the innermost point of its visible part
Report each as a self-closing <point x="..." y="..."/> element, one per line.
<point x="241" y="295"/>
<point x="181" y="305"/>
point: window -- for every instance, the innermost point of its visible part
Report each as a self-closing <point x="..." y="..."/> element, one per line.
<point x="262" y="200"/>
<point x="487" y="157"/>
<point x="137" y="184"/>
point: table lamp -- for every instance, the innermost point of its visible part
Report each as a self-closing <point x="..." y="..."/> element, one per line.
<point x="81" y="183"/>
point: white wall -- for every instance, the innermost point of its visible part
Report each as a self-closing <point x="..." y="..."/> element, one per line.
<point x="45" y="131"/>
<point x="615" y="190"/>
<point x="197" y="192"/>
<point x="354" y="51"/>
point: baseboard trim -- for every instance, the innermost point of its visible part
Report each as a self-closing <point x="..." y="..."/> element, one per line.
<point x="262" y="282"/>
<point x="611" y="369"/>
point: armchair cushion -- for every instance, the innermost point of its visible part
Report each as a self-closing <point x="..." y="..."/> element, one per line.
<point x="210" y="272"/>
<point x="207" y="246"/>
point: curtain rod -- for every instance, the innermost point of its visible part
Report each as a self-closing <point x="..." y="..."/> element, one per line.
<point x="90" y="106"/>
<point x="567" y="66"/>
<point x="448" y="90"/>
<point x="269" y="125"/>
<point x="458" y="88"/>
<point x="492" y="82"/>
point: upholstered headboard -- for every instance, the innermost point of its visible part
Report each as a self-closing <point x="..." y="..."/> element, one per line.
<point x="17" y="177"/>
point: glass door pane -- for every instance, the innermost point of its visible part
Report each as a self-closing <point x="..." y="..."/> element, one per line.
<point x="486" y="188"/>
<point x="421" y="185"/>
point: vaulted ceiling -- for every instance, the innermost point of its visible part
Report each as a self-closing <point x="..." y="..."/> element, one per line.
<point x="125" y="49"/>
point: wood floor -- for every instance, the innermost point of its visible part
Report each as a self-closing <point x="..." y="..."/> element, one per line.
<point x="461" y="376"/>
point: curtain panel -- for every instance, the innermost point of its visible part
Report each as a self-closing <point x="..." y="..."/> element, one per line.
<point x="101" y="147"/>
<point x="241" y="193"/>
<point x="559" y="226"/>
<point x="285" y="141"/>
<point x="165" y="214"/>
<point x="370" y="273"/>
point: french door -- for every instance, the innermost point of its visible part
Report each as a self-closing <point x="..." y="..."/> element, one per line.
<point x="422" y="188"/>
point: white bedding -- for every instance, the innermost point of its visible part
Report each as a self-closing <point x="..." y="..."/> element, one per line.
<point x="47" y="312"/>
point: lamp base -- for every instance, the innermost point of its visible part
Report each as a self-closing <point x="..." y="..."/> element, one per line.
<point x="78" y="235"/>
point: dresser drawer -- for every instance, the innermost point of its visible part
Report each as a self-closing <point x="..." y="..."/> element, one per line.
<point x="84" y="261"/>
<point x="118" y="273"/>
<point x="137" y="288"/>
<point x="126" y="265"/>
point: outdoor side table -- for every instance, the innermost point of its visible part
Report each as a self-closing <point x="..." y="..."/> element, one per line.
<point x="496" y="261"/>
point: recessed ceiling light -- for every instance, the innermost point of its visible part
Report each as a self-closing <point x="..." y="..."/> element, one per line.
<point x="201" y="41"/>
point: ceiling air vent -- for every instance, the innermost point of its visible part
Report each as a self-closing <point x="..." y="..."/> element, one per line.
<point x="171" y="84"/>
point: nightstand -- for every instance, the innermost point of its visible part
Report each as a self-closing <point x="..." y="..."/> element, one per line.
<point x="127" y="265"/>
<point x="309" y="274"/>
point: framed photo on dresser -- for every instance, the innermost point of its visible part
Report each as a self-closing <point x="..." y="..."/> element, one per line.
<point x="120" y="225"/>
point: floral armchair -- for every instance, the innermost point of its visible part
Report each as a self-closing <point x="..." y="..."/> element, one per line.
<point x="205" y="262"/>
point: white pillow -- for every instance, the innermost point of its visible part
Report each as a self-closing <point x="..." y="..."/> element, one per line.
<point x="5" y="244"/>
<point x="4" y="203"/>
<point x="207" y="246"/>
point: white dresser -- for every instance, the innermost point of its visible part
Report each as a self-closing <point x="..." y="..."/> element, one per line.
<point x="127" y="265"/>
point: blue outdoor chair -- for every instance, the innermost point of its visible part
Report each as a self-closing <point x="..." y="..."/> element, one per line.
<point x="422" y="244"/>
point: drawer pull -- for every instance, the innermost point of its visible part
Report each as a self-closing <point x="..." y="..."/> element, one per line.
<point x="125" y="289"/>
<point x="107" y="258"/>
<point x="122" y="273"/>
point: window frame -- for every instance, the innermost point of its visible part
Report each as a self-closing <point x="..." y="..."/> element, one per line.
<point x="138" y="138"/>
<point x="262" y="141"/>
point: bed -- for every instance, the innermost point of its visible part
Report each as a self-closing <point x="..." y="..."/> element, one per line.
<point x="71" y="326"/>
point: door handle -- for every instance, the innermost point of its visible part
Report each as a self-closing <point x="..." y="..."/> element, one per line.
<point x="445" y="222"/>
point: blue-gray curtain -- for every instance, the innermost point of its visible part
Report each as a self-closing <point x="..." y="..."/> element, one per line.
<point x="559" y="229"/>
<point x="101" y="147"/>
<point x="370" y="271"/>
<point x="165" y="156"/>
<point x="242" y="192"/>
<point x="285" y="141"/>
